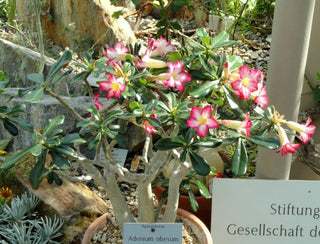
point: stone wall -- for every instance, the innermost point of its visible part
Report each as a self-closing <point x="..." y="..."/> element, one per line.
<point x="92" y="20"/>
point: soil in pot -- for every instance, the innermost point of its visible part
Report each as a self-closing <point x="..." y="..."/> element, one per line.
<point x="205" y="205"/>
<point x="105" y="231"/>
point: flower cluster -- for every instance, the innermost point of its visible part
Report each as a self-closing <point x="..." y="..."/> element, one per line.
<point x="246" y="84"/>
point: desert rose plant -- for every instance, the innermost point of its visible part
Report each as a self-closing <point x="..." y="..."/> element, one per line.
<point x="197" y="97"/>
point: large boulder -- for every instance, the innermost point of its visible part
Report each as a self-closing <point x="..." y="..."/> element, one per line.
<point x="71" y="23"/>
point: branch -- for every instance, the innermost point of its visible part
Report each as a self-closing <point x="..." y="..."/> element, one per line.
<point x="66" y="105"/>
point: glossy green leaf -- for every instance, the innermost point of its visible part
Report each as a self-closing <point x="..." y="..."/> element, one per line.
<point x="112" y="115"/>
<point x="203" y="189"/>
<point x="53" y="142"/>
<point x="18" y="108"/>
<point x="59" y="160"/>
<point x="219" y="39"/>
<point x="234" y="62"/>
<point x="239" y="159"/>
<point x="94" y="112"/>
<point x="4" y="143"/>
<point x="10" y="127"/>
<point x="36" y="77"/>
<point x="66" y="150"/>
<point x="36" y="150"/>
<point x="22" y="92"/>
<point x="13" y="159"/>
<point x="167" y="144"/>
<point x="35" y="96"/>
<point x="52" y="124"/>
<point x="193" y="202"/>
<point x="199" y="164"/>
<point x="24" y="124"/>
<point x="204" y="89"/>
<point x="72" y="138"/>
<point x="93" y="142"/>
<point x="267" y="142"/>
<point x="211" y="143"/>
<point x="38" y="171"/>
<point x="65" y="58"/>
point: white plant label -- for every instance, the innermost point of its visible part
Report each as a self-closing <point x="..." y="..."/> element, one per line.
<point x="119" y="155"/>
<point x="141" y="233"/>
<point x="248" y="211"/>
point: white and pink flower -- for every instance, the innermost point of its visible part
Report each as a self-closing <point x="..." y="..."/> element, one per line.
<point x="117" y="53"/>
<point x="305" y="130"/>
<point x="285" y="145"/>
<point x="200" y="119"/>
<point x="247" y="83"/>
<point x="243" y="126"/>
<point x="113" y="86"/>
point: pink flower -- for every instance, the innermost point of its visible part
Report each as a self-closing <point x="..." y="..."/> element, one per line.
<point x="286" y="146"/>
<point x="113" y="86"/>
<point x="239" y="125"/>
<point x="177" y="76"/>
<point x="201" y="120"/>
<point x="99" y="105"/>
<point x="305" y="130"/>
<point x="247" y="83"/>
<point x="159" y="47"/>
<point x="260" y="96"/>
<point x="148" y="62"/>
<point x="147" y="126"/>
<point x="117" y="53"/>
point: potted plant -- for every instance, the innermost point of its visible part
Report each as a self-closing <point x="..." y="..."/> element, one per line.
<point x="197" y="97"/>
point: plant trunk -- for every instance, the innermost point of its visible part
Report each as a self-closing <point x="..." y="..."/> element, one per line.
<point x="146" y="206"/>
<point x="174" y="192"/>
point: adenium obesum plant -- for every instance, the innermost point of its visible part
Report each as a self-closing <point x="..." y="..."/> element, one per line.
<point x="185" y="100"/>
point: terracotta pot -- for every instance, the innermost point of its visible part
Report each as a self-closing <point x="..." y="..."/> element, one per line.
<point x="197" y="226"/>
<point x="205" y="205"/>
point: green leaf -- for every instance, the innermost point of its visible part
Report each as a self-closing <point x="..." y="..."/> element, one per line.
<point x="66" y="150"/>
<point x="86" y="123"/>
<point x="219" y="39"/>
<point x="36" y="150"/>
<point x="22" y="92"/>
<point x="94" y="112"/>
<point x="234" y="62"/>
<point x="199" y="164"/>
<point x="112" y="115"/>
<point x="316" y="93"/>
<point x="52" y="124"/>
<point x="211" y="143"/>
<point x="179" y="139"/>
<point x="18" y="108"/>
<point x="37" y="77"/>
<point x="11" y="161"/>
<point x="72" y="138"/>
<point x="239" y="159"/>
<point x="153" y="121"/>
<point x="53" y="142"/>
<point x="10" y="127"/>
<point x="167" y="144"/>
<point x="193" y="202"/>
<point x="203" y="189"/>
<point x="38" y="172"/>
<point x="59" y="160"/>
<point x="267" y="142"/>
<point x="65" y="58"/>
<point x="177" y="4"/>
<point x="4" y="143"/>
<point x="233" y="102"/>
<point x="35" y="96"/>
<point x="24" y="124"/>
<point x="94" y="141"/>
<point x="204" y="89"/>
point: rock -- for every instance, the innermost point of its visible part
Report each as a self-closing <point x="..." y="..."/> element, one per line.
<point x="18" y="62"/>
<point x="39" y="113"/>
<point x="75" y="203"/>
<point x="73" y="24"/>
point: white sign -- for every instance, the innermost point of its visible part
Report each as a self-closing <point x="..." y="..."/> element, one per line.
<point x="119" y="155"/>
<point x="141" y="233"/>
<point x="248" y="211"/>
